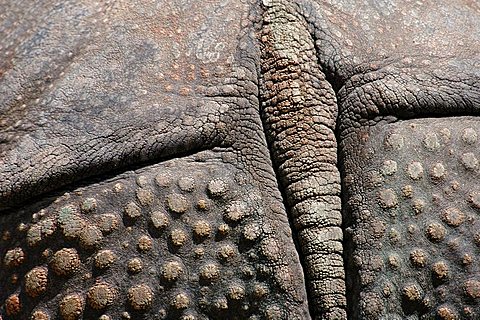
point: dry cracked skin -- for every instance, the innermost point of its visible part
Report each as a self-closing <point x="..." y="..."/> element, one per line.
<point x="239" y="159"/>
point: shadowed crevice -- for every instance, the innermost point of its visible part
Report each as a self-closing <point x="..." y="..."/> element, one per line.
<point x="43" y="199"/>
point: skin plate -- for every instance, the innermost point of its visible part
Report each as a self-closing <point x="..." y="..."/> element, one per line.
<point x="189" y="238"/>
<point x="87" y="88"/>
<point x="412" y="202"/>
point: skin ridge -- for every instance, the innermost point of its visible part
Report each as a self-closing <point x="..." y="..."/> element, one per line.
<point x="288" y="102"/>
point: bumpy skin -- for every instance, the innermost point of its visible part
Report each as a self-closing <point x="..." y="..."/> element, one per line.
<point x="108" y="86"/>
<point x="239" y="159"/>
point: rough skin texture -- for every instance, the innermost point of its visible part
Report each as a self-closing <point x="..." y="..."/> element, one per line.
<point x="413" y="235"/>
<point x="156" y="244"/>
<point x="299" y="111"/>
<point x="239" y="159"/>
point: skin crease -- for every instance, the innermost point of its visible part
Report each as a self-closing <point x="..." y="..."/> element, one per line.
<point x="293" y="119"/>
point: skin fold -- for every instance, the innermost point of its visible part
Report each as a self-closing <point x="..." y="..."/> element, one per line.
<point x="237" y="159"/>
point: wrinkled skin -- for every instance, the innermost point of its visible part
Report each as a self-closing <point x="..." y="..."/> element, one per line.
<point x="239" y="159"/>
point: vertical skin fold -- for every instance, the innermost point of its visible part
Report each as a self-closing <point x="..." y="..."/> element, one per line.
<point x="299" y="111"/>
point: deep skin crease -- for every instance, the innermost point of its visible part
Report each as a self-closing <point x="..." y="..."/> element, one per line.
<point x="239" y="159"/>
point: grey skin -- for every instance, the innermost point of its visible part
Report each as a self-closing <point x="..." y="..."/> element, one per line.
<point x="239" y="159"/>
